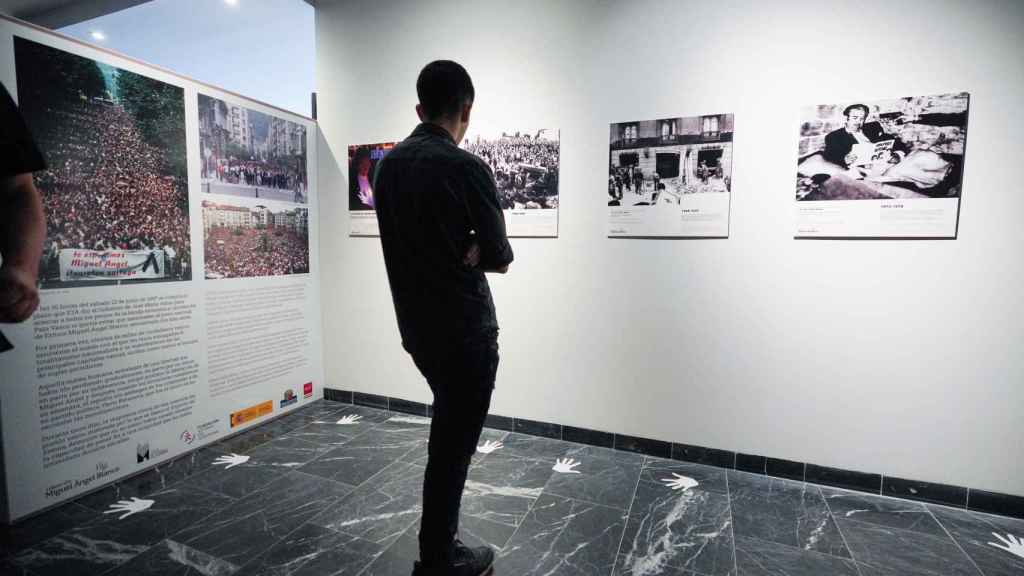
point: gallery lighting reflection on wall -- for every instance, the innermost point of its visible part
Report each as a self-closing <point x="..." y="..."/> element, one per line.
<point x="98" y="36"/>
<point x="231" y="2"/>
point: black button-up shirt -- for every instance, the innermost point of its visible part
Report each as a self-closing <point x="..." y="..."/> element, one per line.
<point x="18" y="152"/>
<point x="433" y="200"/>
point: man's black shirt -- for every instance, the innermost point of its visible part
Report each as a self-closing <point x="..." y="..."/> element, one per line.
<point x="18" y="152"/>
<point x="433" y="200"/>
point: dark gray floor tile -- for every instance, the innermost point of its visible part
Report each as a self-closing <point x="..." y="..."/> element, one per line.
<point x="109" y="541"/>
<point x="32" y="531"/>
<point x="600" y="480"/>
<point x="564" y="537"/>
<point x="249" y="527"/>
<point x="381" y="510"/>
<point x="239" y="480"/>
<point x="538" y="448"/>
<point x="760" y="558"/>
<point x="784" y="512"/>
<point x="174" y="558"/>
<point x="287" y="452"/>
<point x="315" y="551"/>
<point x="407" y="424"/>
<point x="976" y="534"/>
<point x="881" y="511"/>
<point x="419" y="454"/>
<point x="246" y="441"/>
<point x="328" y="434"/>
<point x="399" y="557"/>
<point x="501" y="488"/>
<point x="9" y="568"/>
<point x="883" y="551"/>
<point x="686" y="530"/>
<point x="362" y="458"/>
<point x="656" y="470"/>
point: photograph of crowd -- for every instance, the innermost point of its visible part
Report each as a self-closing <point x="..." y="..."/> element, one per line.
<point x="248" y="153"/>
<point x="115" y="144"/>
<point x="898" y="148"/>
<point x="253" y="241"/>
<point x="659" y="162"/>
<point x="525" y="166"/>
<point x="362" y="161"/>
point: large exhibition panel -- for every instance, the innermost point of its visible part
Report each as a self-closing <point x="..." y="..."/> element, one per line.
<point x="180" y="292"/>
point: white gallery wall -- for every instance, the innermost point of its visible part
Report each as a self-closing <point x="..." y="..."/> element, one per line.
<point x="900" y="357"/>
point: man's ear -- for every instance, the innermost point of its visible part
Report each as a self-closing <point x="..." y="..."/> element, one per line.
<point x="466" y="109"/>
<point x="419" y="112"/>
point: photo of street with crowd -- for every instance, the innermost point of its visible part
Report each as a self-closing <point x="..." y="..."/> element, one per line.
<point x="248" y="153"/>
<point x="525" y="166"/>
<point x="253" y="241"/>
<point x="117" y="179"/>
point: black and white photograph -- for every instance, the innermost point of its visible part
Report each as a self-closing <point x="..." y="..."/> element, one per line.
<point x="525" y="164"/>
<point x="116" y="191"/>
<point x="247" y="153"/>
<point x="670" y="176"/>
<point x="249" y="240"/>
<point x="881" y="168"/>
<point x="900" y="148"/>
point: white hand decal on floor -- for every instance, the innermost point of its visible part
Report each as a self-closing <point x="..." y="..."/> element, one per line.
<point x="566" y="466"/>
<point x="350" y="420"/>
<point x="232" y="460"/>
<point x="129" y="507"/>
<point x="489" y="446"/>
<point x="680" y="482"/>
<point x="1011" y="544"/>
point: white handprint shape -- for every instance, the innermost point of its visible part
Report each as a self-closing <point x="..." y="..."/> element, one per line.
<point x="350" y="420"/>
<point x="232" y="460"/>
<point x="566" y="466"/>
<point x="1011" y="544"/>
<point x="129" y="507"/>
<point x="680" y="482"/>
<point x="489" y="446"/>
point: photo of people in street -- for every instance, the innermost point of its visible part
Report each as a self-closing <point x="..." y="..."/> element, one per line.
<point x="245" y="240"/>
<point x="247" y="153"/>
<point x="116" y="191"/>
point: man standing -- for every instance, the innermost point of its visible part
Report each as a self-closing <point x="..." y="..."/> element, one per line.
<point x="22" y="225"/>
<point x="441" y="228"/>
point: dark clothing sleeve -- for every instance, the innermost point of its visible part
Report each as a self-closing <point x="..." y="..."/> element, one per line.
<point x="481" y="197"/>
<point x="837" y="145"/>
<point x="18" y="152"/>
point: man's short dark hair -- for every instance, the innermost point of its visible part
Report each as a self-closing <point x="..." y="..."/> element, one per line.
<point x="444" y="87"/>
<point x="846" y="111"/>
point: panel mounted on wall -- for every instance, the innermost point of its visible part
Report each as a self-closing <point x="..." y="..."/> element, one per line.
<point x="670" y="177"/>
<point x="525" y="164"/>
<point x="882" y="169"/>
<point x="362" y="161"/>
<point x="154" y="335"/>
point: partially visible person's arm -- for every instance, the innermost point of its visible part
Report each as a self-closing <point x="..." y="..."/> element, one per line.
<point x="488" y="220"/>
<point x="21" y="244"/>
<point x="22" y="223"/>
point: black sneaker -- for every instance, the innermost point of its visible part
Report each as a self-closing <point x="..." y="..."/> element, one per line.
<point x="468" y="562"/>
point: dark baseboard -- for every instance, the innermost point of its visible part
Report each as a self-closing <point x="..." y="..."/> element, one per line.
<point x="872" y="483"/>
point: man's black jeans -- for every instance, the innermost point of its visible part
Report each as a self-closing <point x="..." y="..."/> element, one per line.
<point x="462" y="380"/>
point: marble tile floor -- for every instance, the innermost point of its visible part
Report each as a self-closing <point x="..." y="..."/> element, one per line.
<point x="316" y="493"/>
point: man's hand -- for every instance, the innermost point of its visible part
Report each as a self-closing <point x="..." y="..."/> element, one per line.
<point x="19" y="296"/>
<point x="850" y="159"/>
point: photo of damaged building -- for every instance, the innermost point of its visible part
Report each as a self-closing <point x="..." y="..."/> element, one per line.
<point x="660" y="161"/>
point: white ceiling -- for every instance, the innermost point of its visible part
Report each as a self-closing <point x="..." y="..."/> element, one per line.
<point x="60" y="13"/>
